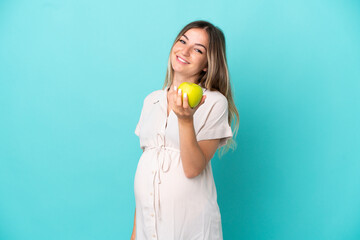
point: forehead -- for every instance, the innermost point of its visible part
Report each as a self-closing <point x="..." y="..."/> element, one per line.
<point x="198" y="35"/>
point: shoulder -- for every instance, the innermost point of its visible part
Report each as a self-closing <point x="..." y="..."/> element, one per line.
<point x="153" y="96"/>
<point x="215" y="98"/>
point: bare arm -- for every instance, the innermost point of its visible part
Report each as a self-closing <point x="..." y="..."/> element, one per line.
<point x="133" y="235"/>
<point x="194" y="155"/>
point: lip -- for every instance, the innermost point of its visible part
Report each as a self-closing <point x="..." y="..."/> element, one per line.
<point x="182" y="59"/>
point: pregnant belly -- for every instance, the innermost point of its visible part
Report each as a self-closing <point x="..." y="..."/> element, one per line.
<point x="173" y="186"/>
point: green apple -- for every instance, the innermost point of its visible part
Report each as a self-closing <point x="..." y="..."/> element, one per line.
<point x="194" y="93"/>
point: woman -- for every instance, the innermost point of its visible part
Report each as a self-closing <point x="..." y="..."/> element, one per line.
<point x="174" y="187"/>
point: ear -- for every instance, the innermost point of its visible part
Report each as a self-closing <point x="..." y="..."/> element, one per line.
<point x="205" y="69"/>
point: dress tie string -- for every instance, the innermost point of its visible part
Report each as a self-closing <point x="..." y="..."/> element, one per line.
<point x="163" y="164"/>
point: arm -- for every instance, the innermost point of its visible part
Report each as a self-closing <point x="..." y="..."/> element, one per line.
<point x="133" y="235"/>
<point x="194" y="155"/>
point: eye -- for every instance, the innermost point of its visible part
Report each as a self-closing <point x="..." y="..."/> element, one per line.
<point x="182" y="41"/>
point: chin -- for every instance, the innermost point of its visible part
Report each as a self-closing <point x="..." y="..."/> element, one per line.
<point x="177" y="68"/>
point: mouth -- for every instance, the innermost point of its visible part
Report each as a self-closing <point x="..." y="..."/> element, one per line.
<point x="182" y="60"/>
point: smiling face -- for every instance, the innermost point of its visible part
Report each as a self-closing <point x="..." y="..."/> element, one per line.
<point x="189" y="53"/>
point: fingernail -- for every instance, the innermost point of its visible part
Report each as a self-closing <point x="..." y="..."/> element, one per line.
<point x="175" y="88"/>
<point x="185" y="95"/>
<point x="179" y="91"/>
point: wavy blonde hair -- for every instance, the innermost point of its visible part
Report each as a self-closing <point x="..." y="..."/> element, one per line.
<point x="217" y="75"/>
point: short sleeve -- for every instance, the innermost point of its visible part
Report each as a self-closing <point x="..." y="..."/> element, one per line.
<point x="216" y="125"/>
<point x="139" y="124"/>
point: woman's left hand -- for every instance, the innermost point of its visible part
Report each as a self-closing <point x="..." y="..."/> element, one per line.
<point x="181" y="108"/>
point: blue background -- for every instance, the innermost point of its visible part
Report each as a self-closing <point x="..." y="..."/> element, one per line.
<point x="73" y="76"/>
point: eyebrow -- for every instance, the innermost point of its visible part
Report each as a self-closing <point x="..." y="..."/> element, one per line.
<point x="195" y="43"/>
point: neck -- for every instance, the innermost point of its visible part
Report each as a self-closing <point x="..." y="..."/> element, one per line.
<point x="178" y="79"/>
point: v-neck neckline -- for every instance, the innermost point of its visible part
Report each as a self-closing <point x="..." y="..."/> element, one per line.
<point x="167" y="103"/>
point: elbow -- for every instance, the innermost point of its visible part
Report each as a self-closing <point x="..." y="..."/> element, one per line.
<point x="191" y="173"/>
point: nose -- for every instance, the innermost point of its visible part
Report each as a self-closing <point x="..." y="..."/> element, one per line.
<point x="185" y="51"/>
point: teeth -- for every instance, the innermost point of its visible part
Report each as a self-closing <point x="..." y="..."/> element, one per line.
<point x="182" y="60"/>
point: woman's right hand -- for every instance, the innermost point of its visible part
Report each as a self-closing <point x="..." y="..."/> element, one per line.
<point x="132" y="236"/>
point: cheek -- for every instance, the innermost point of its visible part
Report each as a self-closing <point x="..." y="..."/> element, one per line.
<point x="203" y="61"/>
<point x="176" y="47"/>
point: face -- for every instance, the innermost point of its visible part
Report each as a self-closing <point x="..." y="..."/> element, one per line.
<point x="188" y="56"/>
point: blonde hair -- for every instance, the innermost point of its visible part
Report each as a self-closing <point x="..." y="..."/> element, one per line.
<point x="217" y="75"/>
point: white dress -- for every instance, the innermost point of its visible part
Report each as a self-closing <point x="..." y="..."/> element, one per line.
<point x="170" y="206"/>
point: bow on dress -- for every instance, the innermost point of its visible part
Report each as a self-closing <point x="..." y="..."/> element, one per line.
<point x="163" y="163"/>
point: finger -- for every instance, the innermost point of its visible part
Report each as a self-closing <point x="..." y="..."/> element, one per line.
<point x="185" y="101"/>
<point x="178" y="100"/>
<point x="202" y="99"/>
<point x="174" y="96"/>
<point x="174" y="89"/>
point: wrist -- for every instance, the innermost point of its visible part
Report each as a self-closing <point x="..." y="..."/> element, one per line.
<point x="186" y="121"/>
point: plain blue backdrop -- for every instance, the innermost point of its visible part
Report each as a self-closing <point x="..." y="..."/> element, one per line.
<point x="73" y="76"/>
